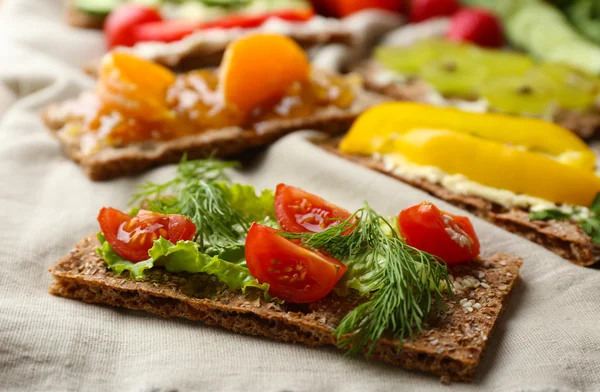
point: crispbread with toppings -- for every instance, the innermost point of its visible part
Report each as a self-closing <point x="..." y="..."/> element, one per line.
<point x="451" y="346"/>
<point x="563" y="237"/>
<point x="111" y="162"/>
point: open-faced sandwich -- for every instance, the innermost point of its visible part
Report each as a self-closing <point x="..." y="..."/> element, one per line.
<point x="464" y="62"/>
<point x="291" y="266"/>
<point x="185" y="35"/>
<point x="142" y="115"/>
<point x="529" y="176"/>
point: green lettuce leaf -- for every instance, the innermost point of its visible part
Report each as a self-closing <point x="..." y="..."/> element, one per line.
<point x="185" y="257"/>
<point x="243" y="198"/>
<point x="181" y="257"/>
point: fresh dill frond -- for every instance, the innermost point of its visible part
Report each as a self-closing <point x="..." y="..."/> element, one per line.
<point x="196" y="193"/>
<point x="407" y="284"/>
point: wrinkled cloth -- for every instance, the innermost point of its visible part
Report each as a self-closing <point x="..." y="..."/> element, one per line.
<point x="547" y="339"/>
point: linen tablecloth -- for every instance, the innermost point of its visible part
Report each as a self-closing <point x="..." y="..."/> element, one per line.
<point x="548" y="339"/>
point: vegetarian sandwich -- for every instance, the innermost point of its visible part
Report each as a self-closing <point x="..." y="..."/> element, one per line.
<point x="291" y="266"/>
<point x="529" y="176"/>
<point x="141" y="114"/>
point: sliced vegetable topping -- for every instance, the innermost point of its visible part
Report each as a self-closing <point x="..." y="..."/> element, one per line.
<point x="388" y="119"/>
<point x="174" y="30"/>
<point x="525" y="156"/>
<point x="298" y="211"/>
<point x="134" y="86"/>
<point x="132" y="237"/>
<point x="449" y="237"/>
<point x="120" y="25"/>
<point x="293" y="272"/>
<point x="260" y="68"/>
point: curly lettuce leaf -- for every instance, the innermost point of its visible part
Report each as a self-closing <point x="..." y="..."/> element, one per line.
<point x="252" y="206"/>
<point x="185" y="257"/>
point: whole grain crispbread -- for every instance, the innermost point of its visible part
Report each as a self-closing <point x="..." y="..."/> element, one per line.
<point x="586" y="124"/>
<point x="451" y="346"/>
<point x="111" y="162"/>
<point x="564" y="238"/>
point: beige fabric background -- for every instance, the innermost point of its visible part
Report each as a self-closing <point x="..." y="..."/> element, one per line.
<point x="547" y="340"/>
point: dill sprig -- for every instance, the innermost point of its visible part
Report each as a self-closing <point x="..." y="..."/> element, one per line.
<point x="407" y="284"/>
<point x="199" y="197"/>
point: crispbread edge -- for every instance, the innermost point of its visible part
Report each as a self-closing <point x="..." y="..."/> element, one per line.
<point x="451" y="350"/>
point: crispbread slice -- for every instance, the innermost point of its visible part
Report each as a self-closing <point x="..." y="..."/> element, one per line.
<point x="78" y="18"/>
<point x="450" y="347"/>
<point x="564" y="238"/>
<point x="585" y="124"/>
<point x="116" y="162"/>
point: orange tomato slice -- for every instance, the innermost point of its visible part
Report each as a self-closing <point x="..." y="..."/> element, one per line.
<point x="259" y="68"/>
<point x="134" y="86"/>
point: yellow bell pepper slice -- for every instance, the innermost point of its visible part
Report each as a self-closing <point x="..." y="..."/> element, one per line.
<point x="497" y="165"/>
<point x="378" y="123"/>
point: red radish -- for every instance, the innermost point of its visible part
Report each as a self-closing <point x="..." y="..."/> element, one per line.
<point x="478" y="26"/>
<point x="119" y="26"/>
<point x="421" y="10"/>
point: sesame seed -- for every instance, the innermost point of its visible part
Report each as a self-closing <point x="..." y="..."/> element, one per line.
<point x="508" y="274"/>
<point x="435" y="342"/>
<point x="502" y="287"/>
<point x="467" y="304"/>
<point x="481" y="275"/>
<point x="485" y="285"/>
<point x="462" y="301"/>
<point x="477" y="305"/>
<point x="470" y="309"/>
<point x="503" y="263"/>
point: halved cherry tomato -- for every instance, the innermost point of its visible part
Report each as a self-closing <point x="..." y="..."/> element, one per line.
<point x="298" y="211"/>
<point x="132" y="237"/>
<point x="174" y="30"/>
<point x="293" y="272"/>
<point x="450" y="237"/>
<point x="119" y="26"/>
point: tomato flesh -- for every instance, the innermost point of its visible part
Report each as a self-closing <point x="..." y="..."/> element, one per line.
<point x="119" y="25"/>
<point x="450" y="237"/>
<point x="132" y="237"/>
<point x="298" y="211"/>
<point x="294" y="273"/>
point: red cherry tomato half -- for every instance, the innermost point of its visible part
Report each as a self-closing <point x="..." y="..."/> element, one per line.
<point x="119" y="25"/>
<point x="298" y="211"/>
<point x="450" y="237"/>
<point x="293" y="272"/>
<point x="421" y="10"/>
<point x="132" y="237"/>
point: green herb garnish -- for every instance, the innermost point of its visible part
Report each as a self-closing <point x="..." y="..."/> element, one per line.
<point x="204" y="195"/>
<point x="590" y="225"/>
<point x="402" y="291"/>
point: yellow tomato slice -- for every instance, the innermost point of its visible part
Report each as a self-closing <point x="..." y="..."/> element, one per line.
<point x="259" y="68"/>
<point x="134" y="86"/>
<point x="377" y="124"/>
